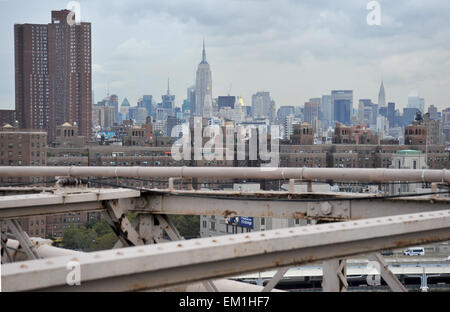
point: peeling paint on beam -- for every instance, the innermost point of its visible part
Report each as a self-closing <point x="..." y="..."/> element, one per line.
<point x="188" y="203"/>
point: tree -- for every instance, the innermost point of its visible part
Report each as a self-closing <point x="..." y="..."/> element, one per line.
<point x="106" y="241"/>
<point x="188" y="226"/>
<point x="91" y="236"/>
<point x="94" y="235"/>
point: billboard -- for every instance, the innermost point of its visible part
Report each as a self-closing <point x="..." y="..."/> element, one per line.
<point x="240" y="221"/>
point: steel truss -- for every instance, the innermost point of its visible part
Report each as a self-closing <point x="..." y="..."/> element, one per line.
<point x="153" y="206"/>
<point x="161" y="265"/>
<point x="319" y="206"/>
<point x="272" y="249"/>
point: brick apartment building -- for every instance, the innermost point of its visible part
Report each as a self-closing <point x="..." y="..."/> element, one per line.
<point x="20" y="147"/>
<point x="423" y="132"/>
<point x="53" y="75"/>
<point x="354" y="135"/>
<point x="303" y="134"/>
<point x="7" y="116"/>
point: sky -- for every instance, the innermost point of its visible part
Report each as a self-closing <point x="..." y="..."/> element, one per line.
<point x="295" y="49"/>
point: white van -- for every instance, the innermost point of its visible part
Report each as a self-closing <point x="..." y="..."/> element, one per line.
<point x="415" y="251"/>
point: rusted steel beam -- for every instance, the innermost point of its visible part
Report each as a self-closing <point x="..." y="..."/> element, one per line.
<point x="60" y="201"/>
<point x="284" y="205"/>
<point x="314" y="206"/>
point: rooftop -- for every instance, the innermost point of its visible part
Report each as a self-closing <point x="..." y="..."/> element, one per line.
<point x="409" y="152"/>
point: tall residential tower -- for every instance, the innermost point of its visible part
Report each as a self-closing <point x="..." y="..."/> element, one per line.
<point x="53" y="74"/>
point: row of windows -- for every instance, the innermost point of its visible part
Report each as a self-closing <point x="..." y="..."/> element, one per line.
<point x="36" y="232"/>
<point x="145" y="163"/>
<point x="10" y="162"/>
<point x="69" y="163"/>
<point x="37" y="222"/>
<point x="234" y="229"/>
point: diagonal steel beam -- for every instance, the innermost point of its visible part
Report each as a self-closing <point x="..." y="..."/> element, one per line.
<point x="275" y="279"/>
<point x="24" y="240"/>
<point x="5" y="255"/>
<point x="387" y="274"/>
<point x="169" y="227"/>
<point x="122" y="227"/>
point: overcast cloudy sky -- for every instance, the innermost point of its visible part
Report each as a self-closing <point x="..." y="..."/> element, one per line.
<point x="294" y="49"/>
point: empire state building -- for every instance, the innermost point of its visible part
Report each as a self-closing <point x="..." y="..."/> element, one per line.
<point x="203" y="85"/>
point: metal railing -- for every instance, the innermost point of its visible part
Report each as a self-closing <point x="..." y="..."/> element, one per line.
<point x="306" y="174"/>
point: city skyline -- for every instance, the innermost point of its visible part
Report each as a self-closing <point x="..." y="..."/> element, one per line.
<point x="293" y="62"/>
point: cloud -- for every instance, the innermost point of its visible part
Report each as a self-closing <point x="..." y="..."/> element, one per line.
<point x="295" y="49"/>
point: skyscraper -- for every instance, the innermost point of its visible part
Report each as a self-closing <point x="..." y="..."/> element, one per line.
<point x="327" y="109"/>
<point x="381" y="97"/>
<point x="391" y="114"/>
<point x="367" y="112"/>
<point x="263" y="106"/>
<point x="409" y="115"/>
<point x="190" y="99"/>
<point x="124" y="109"/>
<point x="342" y="101"/>
<point x="208" y="106"/>
<point x="311" y="111"/>
<point x="203" y="84"/>
<point x="432" y="110"/>
<point x="147" y="101"/>
<point x="168" y="101"/>
<point x="53" y="74"/>
<point x="226" y="101"/>
<point x="114" y="102"/>
<point x="284" y="111"/>
<point x="415" y="101"/>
